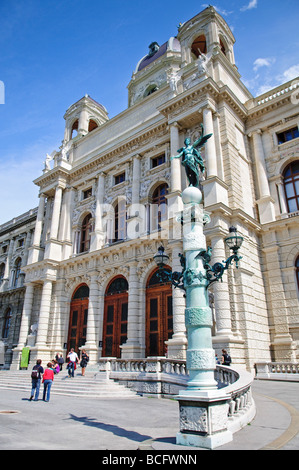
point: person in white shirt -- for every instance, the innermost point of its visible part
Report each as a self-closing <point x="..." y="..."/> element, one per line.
<point x="73" y="359"/>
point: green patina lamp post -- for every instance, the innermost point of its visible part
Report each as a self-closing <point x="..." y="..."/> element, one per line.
<point x="203" y="408"/>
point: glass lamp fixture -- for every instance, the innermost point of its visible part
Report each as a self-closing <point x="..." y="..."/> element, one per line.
<point x="161" y="258"/>
<point x="234" y="241"/>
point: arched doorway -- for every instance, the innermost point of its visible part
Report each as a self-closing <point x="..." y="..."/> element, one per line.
<point x="159" y="317"/>
<point x="115" y="317"/>
<point x="78" y="318"/>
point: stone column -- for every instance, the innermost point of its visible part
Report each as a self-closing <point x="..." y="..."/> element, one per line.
<point x="98" y="236"/>
<point x="34" y="250"/>
<point x="44" y="315"/>
<point x="221" y="293"/>
<point x="132" y="348"/>
<point x="210" y="147"/>
<point x="265" y="202"/>
<point x="26" y="315"/>
<point x="83" y="123"/>
<point x="56" y="213"/>
<point x="39" y="221"/>
<point x="174" y="200"/>
<point x="175" y="178"/>
<point x="177" y="345"/>
<point x="136" y="180"/>
<point x="92" y="319"/>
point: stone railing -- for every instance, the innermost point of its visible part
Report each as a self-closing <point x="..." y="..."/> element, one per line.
<point x="279" y="91"/>
<point x="278" y="371"/>
<point x="160" y="377"/>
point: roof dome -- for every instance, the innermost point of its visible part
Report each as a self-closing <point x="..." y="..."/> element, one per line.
<point x="156" y="51"/>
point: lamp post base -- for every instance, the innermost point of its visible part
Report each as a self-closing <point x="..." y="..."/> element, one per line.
<point x="204" y="442"/>
<point x="203" y="419"/>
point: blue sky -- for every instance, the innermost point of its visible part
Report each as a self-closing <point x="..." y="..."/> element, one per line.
<point x="53" y="52"/>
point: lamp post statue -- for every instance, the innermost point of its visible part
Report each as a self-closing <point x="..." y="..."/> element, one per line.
<point x="203" y="407"/>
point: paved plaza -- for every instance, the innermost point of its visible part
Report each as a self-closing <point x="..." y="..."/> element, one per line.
<point x="129" y="424"/>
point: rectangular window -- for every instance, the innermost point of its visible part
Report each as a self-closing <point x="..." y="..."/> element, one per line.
<point x="87" y="193"/>
<point x="288" y="135"/>
<point x="156" y="161"/>
<point x="119" y="178"/>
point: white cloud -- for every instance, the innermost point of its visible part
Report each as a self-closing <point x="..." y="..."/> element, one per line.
<point x="290" y="73"/>
<point x="251" y="4"/>
<point x="263" y="62"/>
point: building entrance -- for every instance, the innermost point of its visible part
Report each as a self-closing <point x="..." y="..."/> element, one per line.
<point x="115" y="317"/>
<point x="159" y="318"/>
<point x="78" y="318"/>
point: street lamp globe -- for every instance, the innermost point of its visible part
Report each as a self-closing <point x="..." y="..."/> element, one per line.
<point x="161" y="258"/>
<point x="234" y="241"/>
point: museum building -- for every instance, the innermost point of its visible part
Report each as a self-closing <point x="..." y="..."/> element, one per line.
<point x="78" y="271"/>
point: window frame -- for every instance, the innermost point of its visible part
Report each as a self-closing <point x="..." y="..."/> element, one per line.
<point x="292" y="179"/>
<point x="86" y="229"/>
<point x="7" y="323"/>
<point x="283" y="134"/>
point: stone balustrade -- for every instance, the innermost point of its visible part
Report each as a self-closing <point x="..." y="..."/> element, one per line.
<point x="278" y="371"/>
<point x="161" y="377"/>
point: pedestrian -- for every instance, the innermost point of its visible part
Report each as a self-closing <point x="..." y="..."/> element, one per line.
<point x="36" y="379"/>
<point x="60" y="360"/>
<point x="217" y="359"/>
<point x="84" y="361"/>
<point x="55" y="367"/>
<point x="48" y="378"/>
<point x="73" y="360"/>
<point x="226" y="359"/>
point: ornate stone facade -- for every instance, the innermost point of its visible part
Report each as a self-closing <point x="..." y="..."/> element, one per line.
<point x="111" y="195"/>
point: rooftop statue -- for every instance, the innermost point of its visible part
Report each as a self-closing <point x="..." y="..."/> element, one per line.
<point x="191" y="158"/>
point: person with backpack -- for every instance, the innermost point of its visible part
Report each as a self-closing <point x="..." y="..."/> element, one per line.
<point x="226" y="359"/>
<point x="36" y="379"/>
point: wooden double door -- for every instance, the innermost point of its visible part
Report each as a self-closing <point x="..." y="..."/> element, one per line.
<point x="159" y="317"/>
<point x="115" y="325"/>
<point x="78" y="324"/>
<point x="115" y="317"/>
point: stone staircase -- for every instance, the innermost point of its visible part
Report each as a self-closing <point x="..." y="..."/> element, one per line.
<point x="92" y="385"/>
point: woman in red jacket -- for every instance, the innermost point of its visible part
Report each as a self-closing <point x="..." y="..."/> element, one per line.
<point x="48" y="378"/>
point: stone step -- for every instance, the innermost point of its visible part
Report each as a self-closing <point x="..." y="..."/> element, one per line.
<point x="92" y="385"/>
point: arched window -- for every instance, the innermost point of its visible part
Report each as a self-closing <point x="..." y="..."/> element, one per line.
<point x="120" y="221"/>
<point x="199" y="46"/>
<point x="74" y="130"/>
<point x="85" y="234"/>
<point x="17" y="271"/>
<point x="297" y="270"/>
<point x="223" y="47"/>
<point x="92" y="125"/>
<point x="291" y="186"/>
<point x="151" y="89"/>
<point x="7" y="322"/>
<point x="159" y="206"/>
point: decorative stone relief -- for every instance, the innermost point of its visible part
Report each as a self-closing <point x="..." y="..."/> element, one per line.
<point x="201" y="359"/>
<point x="193" y="419"/>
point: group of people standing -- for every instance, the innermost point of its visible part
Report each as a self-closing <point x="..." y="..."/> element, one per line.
<point x="39" y="375"/>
